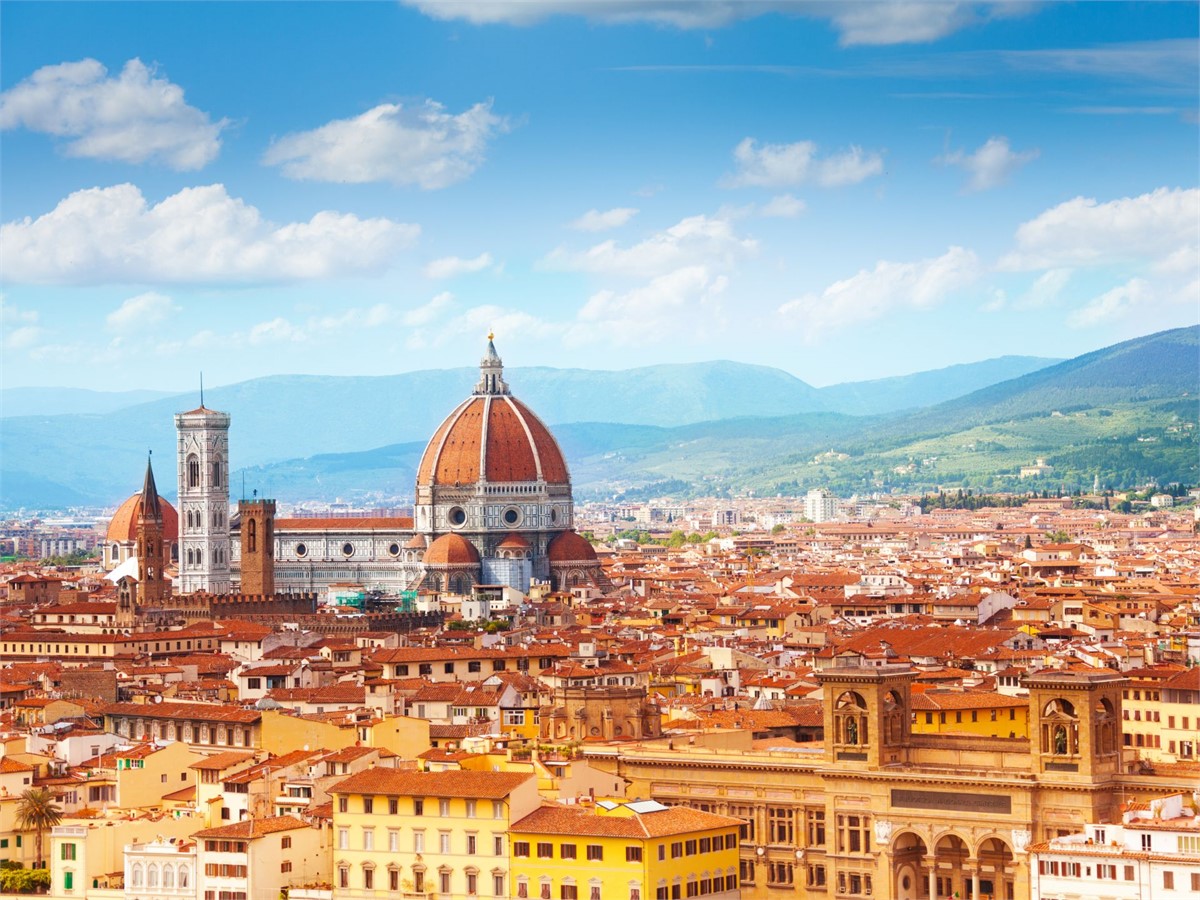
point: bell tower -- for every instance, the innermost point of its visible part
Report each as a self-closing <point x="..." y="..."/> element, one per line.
<point x="1075" y="723"/>
<point x="153" y="586"/>
<point x="203" y="467"/>
<point x="257" y="546"/>
<point x="868" y="714"/>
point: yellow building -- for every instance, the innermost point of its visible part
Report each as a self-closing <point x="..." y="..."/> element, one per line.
<point x="624" y="851"/>
<point x="984" y="713"/>
<point x="443" y="833"/>
<point x="1161" y="714"/>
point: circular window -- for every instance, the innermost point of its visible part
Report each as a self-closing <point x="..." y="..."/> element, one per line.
<point x="301" y="550"/>
<point x="458" y="515"/>
<point x="554" y="515"/>
<point x="394" y="549"/>
<point x="905" y="882"/>
<point x="347" y="549"/>
<point x="512" y="516"/>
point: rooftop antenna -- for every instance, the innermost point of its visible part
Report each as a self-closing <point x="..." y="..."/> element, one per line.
<point x="202" y="390"/>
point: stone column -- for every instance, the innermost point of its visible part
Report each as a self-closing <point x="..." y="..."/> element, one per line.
<point x="932" y="877"/>
<point x="975" y="879"/>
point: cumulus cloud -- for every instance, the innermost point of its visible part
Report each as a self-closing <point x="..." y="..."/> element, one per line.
<point x="785" y="165"/>
<point x="655" y="310"/>
<point x="883" y="22"/>
<point x="134" y="117"/>
<point x="201" y="234"/>
<point x="991" y="164"/>
<point x="1112" y="304"/>
<point x="597" y="220"/>
<point x="1161" y="227"/>
<point x="423" y="145"/>
<point x="874" y="293"/>
<point x="430" y="312"/>
<point x="149" y="308"/>
<point x="784" y="206"/>
<point x="453" y="266"/>
<point x="696" y="240"/>
<point x="19" y="328"/>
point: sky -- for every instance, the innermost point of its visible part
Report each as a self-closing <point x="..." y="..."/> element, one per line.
<point x="841" y="190"/>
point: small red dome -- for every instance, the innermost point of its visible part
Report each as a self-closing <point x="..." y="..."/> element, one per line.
<point x="513" y="542"/>
<point x="570" y="547"/>
<point x="492" y="438"/>
<point x="123" y="526"/>
<point x="451" y="550"/>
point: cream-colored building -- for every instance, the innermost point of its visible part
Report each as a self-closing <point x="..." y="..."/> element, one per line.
<point x="442" y="834"/>
<point x="256" y="858"/>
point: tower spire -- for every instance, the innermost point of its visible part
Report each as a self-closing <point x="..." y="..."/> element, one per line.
<point x="150" y="505"/>
<point x="491" y="371"/>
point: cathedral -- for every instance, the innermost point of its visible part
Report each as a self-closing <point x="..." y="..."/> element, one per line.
<point x="493" y="507"/>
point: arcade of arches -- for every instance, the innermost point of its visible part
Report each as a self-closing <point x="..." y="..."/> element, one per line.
<point x="877" y="811"/>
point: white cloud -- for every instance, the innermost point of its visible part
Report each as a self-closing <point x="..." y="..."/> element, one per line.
<point x="133" y="118"/>
<point x="874" y="293"/>
<point x="1113" y="304"/>
<point x="423" y="145"/>
<point x="19" y="327"/>
<point x="784" y="206"/>
<point x="201" y="234"/>
<point x="784" y="165"/>
<point x="1160" y="227"/>
<point x="695" y="240"/>
<point x="596" y="220"/>
<point x="274" y="331"/>
<point x="991" y="164"/>
<point x="685" y="300"/>
<point x="453" y="266"/>
<point x="430" y="312"/>
<point x="858" y="23"/>
<point x="1047" y="289"/>
<point x="149" y="308"/>
<point x="901" y="23"/>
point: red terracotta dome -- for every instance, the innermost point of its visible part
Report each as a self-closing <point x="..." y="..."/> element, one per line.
<point x="451" y="550"/>
<point x="513" y="542"/>
<point x="493" y="438"/>
<point x="123" y="526"/>
<point x="570" y="547"/>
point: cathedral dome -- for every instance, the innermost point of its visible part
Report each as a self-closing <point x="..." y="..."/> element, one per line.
<point x="570" y="547"/>
<point x="451" y="550"/>
<point x="123" y="526"/>
<point x="492" y="437"/>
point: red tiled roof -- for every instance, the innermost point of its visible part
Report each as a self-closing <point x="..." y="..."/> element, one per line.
<point x="575" y="820"/>
<point x="252" y="828"/>
<point x="393" y="782"/>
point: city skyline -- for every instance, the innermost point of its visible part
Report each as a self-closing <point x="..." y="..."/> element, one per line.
<point x="844" y="193"/>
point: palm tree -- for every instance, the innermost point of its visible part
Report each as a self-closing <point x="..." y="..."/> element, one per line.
<point x="37" y="812"/>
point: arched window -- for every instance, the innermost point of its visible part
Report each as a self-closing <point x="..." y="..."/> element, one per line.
<point x="137" y="875"/>
<point x="251" y="536"/>
<point x="199" y="557"/>
<point x="152" y="877"/>
<point x="193" y="471"/>
<point x="184" y="875"/>
<point x="216" y="473"/>
<point x="168" y="879"/>
<point x="116" y="551"/>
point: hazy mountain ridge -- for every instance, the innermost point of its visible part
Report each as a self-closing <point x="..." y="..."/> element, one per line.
<point x="300" y="436"/>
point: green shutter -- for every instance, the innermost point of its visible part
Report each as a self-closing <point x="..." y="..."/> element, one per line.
<point x="68" y="881"/>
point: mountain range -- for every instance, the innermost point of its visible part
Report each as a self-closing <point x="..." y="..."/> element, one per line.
<point x="711" y="426"/>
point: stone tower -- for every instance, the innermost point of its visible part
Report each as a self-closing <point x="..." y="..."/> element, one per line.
<point x="153" y="586"/>
<point x="257" y="546"/>
<point x="203" y="465"/>
<point x="868" y="714"/>
<point x="1075" y="723"/>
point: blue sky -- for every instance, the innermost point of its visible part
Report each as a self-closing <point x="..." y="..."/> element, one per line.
<point x="844" y="191"/>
